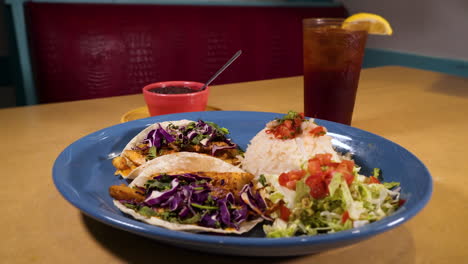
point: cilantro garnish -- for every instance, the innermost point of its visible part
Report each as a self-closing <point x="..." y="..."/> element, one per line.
<point x="147" y="211"/>
<point x="151" y="153"/>
<point x="262" y="179"/>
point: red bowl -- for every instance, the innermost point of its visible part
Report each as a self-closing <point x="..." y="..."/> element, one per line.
<point x="161" y="104"/>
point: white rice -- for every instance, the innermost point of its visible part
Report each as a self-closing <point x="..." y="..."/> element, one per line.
<point x="268" y="155"/>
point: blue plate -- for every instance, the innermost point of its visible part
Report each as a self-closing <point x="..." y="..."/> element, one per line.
<point x="83" y="173"/>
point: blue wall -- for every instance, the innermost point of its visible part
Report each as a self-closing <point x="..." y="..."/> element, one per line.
<point x="381" y="57"/>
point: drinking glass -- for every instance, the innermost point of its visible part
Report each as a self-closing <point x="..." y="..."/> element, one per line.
<point x="332" y="64"/>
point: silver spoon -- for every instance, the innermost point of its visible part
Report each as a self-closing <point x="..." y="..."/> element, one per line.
<point x="222" y="69"/>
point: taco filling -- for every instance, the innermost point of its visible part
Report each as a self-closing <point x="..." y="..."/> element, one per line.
<point x="213" y="200"/>
<point x="200" y="137"/>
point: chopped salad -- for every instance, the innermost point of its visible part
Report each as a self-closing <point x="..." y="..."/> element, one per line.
<point x="326" y="196"/>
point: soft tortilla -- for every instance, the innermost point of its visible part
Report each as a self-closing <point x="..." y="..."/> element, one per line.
<point x="183" y="161"/>
<point x="142" y="135"/>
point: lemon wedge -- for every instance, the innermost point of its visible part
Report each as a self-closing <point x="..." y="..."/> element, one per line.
<point x="374" y="24"/>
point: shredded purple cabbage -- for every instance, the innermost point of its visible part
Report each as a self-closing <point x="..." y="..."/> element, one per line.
<point x="254" y="200"/>
<point x="189" y="194"/>
<point x="200" y="196"/>
<point x="239" y="215"/>
<point x="158" y="137"/>
<point x="216" y="148"/>
<point x="184" y="212"/>
<point x="156" y="197"/>
<point x="210" y="219"/>
<point x="223" y="204"/>
<point x="194" y="133"/>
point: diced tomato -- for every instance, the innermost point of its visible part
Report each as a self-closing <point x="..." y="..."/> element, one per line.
<point x="291" y="184"/>
<point x="341" y="168"/>
<point x="349" y="178"/>
<point x="327" y="178"/>
<point x="318" y="131"/>
<point x="345" y="217"/>
<point x="373" y="179"/>
<point x="332" y="165"/>
<point x="298" y="121"/>
<point x="324" y="159"/>
<point x="283" y="179"/>
<point x="349" y="165"/>
<point x="318" y="187"/>
<point x="314" y="166"/>
<point x="296" y="174"/>
<point x="288" y="124"/>
<point x="322" y="168"/>
<point x="288" y="128"/>
<point x="284" y="212"/>
<point x="282" y="132"/>
<point x="289" y="179"/>
<point x="346" y="168"/>
<point x="401" y="202"/>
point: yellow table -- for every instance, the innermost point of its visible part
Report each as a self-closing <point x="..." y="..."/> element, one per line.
<point x="425" y="112"/>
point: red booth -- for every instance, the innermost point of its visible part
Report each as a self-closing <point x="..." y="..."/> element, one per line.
<point x="82" y="51"/>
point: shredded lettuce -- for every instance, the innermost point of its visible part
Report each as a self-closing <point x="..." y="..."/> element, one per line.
<point x="335" y="183"/>
<point x="391" y="185"/>
<point x="346" y="194"/>
<point x="356" y="209"/>
<point x="377" y="174"/>
<point x="276" y="197"/>
<point x="280" y="229"/>
<point x="302" y="190"/>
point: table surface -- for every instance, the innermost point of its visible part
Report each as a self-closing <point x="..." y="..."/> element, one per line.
<point x="425" y="112"/>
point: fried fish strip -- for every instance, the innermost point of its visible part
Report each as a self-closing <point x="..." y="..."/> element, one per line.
<point x="124" y="167"/>
<point x="123" y="192"/>
<point x="120" y="163"/>
<point x="134" y="156"/>
<point x="227" y="181"/>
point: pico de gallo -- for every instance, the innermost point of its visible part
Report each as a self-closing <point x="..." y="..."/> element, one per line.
<point x="290" y="126"/>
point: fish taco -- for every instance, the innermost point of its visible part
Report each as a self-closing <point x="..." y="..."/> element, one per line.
<point x="175" y="136"/>
<point x="192" y="192"/>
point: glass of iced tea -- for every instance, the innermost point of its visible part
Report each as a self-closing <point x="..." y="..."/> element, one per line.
<point x="332" y="63"/>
